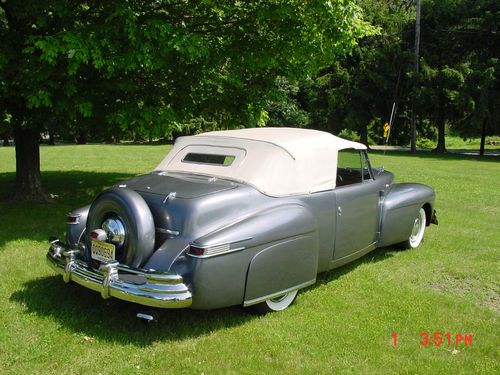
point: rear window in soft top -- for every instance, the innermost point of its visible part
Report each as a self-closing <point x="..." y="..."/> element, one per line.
<point x="214" y="159"/>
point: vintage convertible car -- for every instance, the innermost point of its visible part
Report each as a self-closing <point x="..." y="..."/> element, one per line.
<point x="240" y="217"/>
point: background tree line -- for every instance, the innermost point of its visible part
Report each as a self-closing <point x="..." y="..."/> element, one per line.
<point x="137" y="70"/>
<point x="457" y="87"/>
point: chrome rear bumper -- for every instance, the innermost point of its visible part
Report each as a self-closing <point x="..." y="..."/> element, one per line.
<point x="150" y="288"/>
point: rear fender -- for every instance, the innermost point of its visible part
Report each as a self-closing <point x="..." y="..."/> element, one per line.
<point x="76" y="228"/>
<point x="277" y="250"/>
<point x="267" y="226"/>
<point x="400" y="208"/>
<point x="284" y="266"/>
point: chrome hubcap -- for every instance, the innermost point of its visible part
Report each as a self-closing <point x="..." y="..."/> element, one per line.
<point x="115" y="231"/>
<point x="416" y="228"/>
<point x="417" y="233"/>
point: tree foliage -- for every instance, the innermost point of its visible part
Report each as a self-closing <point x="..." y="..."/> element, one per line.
<point x="460" y="52"/>
<point x="356" y="92"/>
<point x="148" y="66"/>
<point x="140" y="64"/>
<point x="457" y="85"/>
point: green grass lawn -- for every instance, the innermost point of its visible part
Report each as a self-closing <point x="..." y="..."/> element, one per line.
<point x="454" y="142"/>
<point x="343" y="324"/>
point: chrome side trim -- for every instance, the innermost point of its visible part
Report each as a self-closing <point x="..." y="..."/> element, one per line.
<point x="150" y="288"/>
<point x="349" y="258"/>
<point x="167" y="231"/>
<point x="223" y="243"/>
<point x="219" y="249"/>
<point x="215" y="254"/>
<point x="277" y="294"/>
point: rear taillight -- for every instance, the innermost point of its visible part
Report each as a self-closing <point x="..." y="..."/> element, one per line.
<point x="99" y="235"/>
<point x="72" y="218"/>
<point x="196" y="251"/>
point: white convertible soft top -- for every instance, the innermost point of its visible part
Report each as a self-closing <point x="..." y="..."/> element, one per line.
<point x="276" y="161"/>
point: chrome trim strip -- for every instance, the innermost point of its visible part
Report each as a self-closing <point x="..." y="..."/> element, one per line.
<point x="216" y="254"/>
<point x="218" y="249"/>
<point x="348" y="258"/>
<point x="221" y="243"/>
<point x="157" y="289"/>
<point x="167" y="231"/>
<point x="277" y="294"/>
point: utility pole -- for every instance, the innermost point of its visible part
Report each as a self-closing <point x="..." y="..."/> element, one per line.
<point x="413" y="127"/>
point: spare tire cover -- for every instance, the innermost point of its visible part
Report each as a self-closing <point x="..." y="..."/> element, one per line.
<point x="129" y="209"/>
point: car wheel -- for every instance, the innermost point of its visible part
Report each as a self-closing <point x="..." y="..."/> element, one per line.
<point x="124" y="219"/>
<point x="417" y="232"/>
<point x="274" y="304"/>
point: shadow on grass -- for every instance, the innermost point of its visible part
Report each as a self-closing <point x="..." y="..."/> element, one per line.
<point x="38" y="221"/>
<point x="83" y="311"/>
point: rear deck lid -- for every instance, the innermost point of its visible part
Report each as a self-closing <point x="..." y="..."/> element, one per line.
<point x="184" y="186"/>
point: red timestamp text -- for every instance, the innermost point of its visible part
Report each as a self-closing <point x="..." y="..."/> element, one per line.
<point x="439" y="339"/>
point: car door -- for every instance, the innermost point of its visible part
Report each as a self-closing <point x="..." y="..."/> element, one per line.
<point x="357" y="205"/>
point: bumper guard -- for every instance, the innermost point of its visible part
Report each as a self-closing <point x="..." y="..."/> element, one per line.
<point x="150" y="288"/>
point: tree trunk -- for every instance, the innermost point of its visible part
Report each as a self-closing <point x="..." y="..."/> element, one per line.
<point x="413" y="126"/>
<point x="440" y="120"/>
<point x="364" y="134"/>
<point x="413" y="130"/>
<point x="81" y="138"/>
<point x="52" y="139"/>
<point x="483" y="138"/>
<point x="28" y="180"/>
<point x="6" y="140"/>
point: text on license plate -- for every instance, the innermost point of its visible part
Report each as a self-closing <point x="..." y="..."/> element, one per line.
<point x="102" y="251"/>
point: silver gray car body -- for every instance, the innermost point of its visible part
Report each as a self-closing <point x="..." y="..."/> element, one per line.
<point x="219" y="242"/>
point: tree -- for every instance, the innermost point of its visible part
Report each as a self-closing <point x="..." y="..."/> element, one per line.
<point x="459" y="44"/>
<point x="5" y="129"/>
<point x="456" y="88"/>
<point x="144" y="65"/>
<point x="283" y="108"/>
<point x="357" y="91"/>
<point x="483" y="89"/>
<point x="440" y="96"/>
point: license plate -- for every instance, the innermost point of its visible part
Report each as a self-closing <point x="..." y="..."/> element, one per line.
<point x="102" y="251"/>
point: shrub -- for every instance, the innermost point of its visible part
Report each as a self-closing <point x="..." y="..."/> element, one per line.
<point x="425" y="143"/>
<point x="349" y="134"/>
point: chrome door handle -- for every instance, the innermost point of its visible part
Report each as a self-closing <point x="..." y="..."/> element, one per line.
<point x="339" y="210"/>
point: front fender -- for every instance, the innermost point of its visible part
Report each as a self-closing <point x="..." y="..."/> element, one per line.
<point x="400" y="207"/>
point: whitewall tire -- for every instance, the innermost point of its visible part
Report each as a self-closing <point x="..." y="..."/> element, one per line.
<point x="274" y="304"/>
<point x="418" y="230"/>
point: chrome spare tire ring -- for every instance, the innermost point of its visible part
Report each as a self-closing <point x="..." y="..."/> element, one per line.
<point x="115" y="230"/>
<point x="128" y="223"/>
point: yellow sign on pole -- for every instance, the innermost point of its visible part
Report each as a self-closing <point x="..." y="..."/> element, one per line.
<point x="386" y="129"/>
